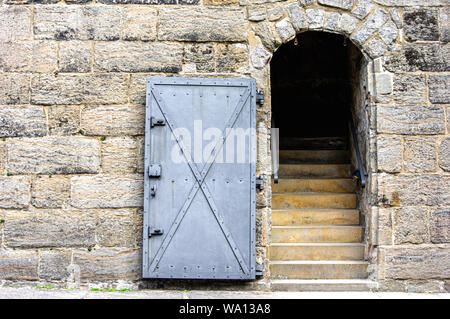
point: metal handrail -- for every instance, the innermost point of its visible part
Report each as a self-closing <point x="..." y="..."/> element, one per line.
<point x="274" y="146"/>
<point x="358" y="154"/>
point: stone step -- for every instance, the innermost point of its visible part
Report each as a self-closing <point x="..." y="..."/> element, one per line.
<point x="336" y="217"/>
<point x="314" y="156"/>
<point x="329" y="269"/>
<point x="314" y="143"/>
<point x="313" y="200"/>
<point x="317" y="234"/>
<point x="314" y="170"/>
<point x="316" y="251"/>
<point x="335" y="185"/>
<point x="323" y="285"/>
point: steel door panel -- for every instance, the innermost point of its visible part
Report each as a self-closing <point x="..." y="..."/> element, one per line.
<point x="206" y="210"/>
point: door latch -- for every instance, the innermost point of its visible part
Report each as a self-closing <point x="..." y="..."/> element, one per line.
<point x="157" y="122"/>
<point x="260" y="182"/>
<point x="260" y="97"/>
<point x="154" y="170"/>
<point x="155" y="231"/>
<point x="153" y="191"/>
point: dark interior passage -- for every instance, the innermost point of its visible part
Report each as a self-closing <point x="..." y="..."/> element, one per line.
<point x="311" y="83"/>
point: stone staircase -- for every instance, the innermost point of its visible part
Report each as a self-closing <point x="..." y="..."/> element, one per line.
<point x="317" y="240"/>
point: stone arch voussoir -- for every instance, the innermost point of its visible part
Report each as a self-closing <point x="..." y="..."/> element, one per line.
<point x="373" y="29"/>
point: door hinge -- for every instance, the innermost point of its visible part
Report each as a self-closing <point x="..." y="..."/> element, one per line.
<point x="260" y="182"/>
<point x="259" y="270"/>
<point x="157" y="122"/>
<point x="155" y="231"/>
<point x="154" y="170"/>
<point x="260" y="97"/>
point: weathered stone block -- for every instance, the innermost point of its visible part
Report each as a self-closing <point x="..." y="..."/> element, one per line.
<point x="15" y="23"/>
<point x="53" y="155"/>
<point x="417" y="262"/>
<point x="139" y="23"/>
<point x="332" y="21"/>
<point x="220" y="2"/>
<point x="200" y="54"/>
<point x="22" y="120"/>
<point x="418" y="57"/>
<point x="363" y="8"/>
<point x="36" y="56"/>
<point x="15" y="191"/>
<point x="383" y="83"/>
<point x="410" y="88"/>
<point x="115" y="228"/>
<point x="410" y="3"/>
<point x="108" y="264"/>
<point x="75" y="56"/>
<point x="410" y="225"/>
<point x="256" y="13"/>
<point x="384" y="226"/>
<point x="50" y="192"/>
<point x="264" y="32"/>
<point x="105" y="191"/>
<point x="119" y="155"/>
<point x="49" y="228"/>
<point x="14" y="88"/>
<point x="2" y="157"/>
<point x="146" y="2"/>
<point x="341" y="4"/>
<point x="18" y="264"/>
<point x="141" y="155"/>
<point x="53" y="264"/>
<point x="372" y="24"/>
<point x="260" y="57"/>
<point x="275" y="13"/>
<point x="62" y="22"/>
<point x="420" y="154"/>
<point x="440" y="226"/>
<point x="375" y="48"/>
<point x="421" y="24"/>
<point x="138" y="57"/>
<point x="231" y="57"/>
<point x="444" y="23"/>
<point x="315" y="18"/>
<point x="63" y="119"/>
<point x="348" y="23"/>
<point x="414" y="190"/>
<point x="444" y="154"/>
<point x="396" y="17"/>
<point x="439" y="88"/>
<point x="71" y="89"/>
<point x="202" y="24"/>
<point x="113" y="120"/>
<point x="297" y="16"/>
<point x="389" y="34"/>
<point x="389" y="154"/>
<point x="410" y="120"/>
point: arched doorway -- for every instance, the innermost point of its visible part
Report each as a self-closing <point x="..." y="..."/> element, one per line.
<point x="318" y="89"/>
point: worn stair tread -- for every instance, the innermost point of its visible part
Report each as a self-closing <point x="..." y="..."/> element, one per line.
<point x="314" y="184"/>
<point x="314" y="169"/>
<point x="319" y="262"/>
<point x="316" y="210"/>
<point x="316" y="244"/>
<point x="302" y="200"/>
<point x="323" y="285"/>
<point x="314" y="156"/>
<point x="315" y="194"/>
<point x="318" y="226"/>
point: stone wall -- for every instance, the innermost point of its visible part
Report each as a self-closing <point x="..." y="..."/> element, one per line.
<point x="72" y="101"/>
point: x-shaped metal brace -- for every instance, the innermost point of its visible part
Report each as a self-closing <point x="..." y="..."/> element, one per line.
<point x="200" y="177"/>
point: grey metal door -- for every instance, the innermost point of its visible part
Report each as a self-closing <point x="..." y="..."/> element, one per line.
<point x="200" y="152"/>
